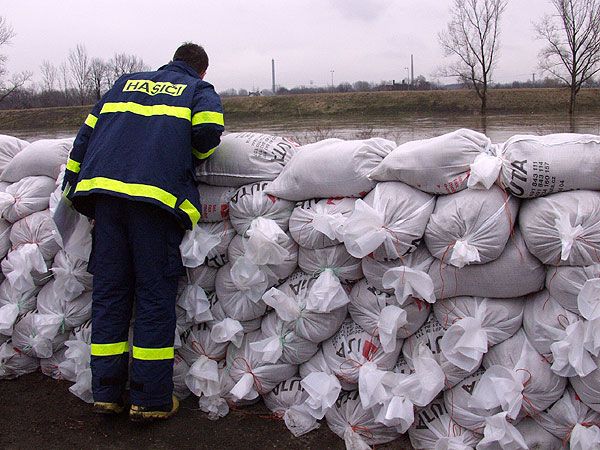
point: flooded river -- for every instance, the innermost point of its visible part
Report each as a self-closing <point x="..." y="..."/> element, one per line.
<point x="402" y="128"/>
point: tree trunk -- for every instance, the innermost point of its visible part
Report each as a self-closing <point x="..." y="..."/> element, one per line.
<point x="484" y="100"/>
<point x="572" y="100"/>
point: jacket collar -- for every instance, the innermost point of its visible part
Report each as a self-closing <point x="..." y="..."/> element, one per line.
<point x="180" y="66"/>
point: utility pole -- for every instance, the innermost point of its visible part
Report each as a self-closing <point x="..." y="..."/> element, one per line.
<point x="273" y="74"/>
<point x="533" y="77"/>
<point x="412" y="70"/>
<point x="332" y="79"/>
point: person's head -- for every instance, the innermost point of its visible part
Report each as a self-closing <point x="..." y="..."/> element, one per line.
<point x="194" y="55"/>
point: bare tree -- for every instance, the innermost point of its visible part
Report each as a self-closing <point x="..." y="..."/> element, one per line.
<point x="572" y="35"/>
<point x="79" y="66"/>
<point x="98" y="74"/>
<point x="472" y="39"/>
<point x="17" y="80"/>
<point x="49" y="75"/>
<point x="6" y="34"/>
<point x="65" y="79"/>
<point x="122" y="63"/>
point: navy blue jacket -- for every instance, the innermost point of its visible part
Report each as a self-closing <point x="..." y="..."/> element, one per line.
<point x="143" y="140"/>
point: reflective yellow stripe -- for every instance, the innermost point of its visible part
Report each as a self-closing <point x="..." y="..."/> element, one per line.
<point x="118" y="348"/>
<point x="153" y="354"/>
<point x="204" y="155"/>
<point x="187" y="207"/>
<point x="91" y="120"/>
<point x="73" y="165"/>
<point x="208" y="117"/>
<point x="139" y="190"/>
<point x="148" y="110"/>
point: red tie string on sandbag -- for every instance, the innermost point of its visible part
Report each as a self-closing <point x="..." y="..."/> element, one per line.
<point x="257" y="382"/>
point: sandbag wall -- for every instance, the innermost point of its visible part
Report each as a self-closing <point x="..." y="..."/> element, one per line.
<point x="445" y="288"/>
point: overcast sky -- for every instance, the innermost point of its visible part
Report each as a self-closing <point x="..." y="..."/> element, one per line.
<point x="368" y="40"/>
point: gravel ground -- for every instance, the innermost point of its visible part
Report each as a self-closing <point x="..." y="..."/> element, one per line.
<point x="39" y="412"/>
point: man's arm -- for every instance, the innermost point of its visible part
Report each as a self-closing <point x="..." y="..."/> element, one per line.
<point x="207" y="123"/>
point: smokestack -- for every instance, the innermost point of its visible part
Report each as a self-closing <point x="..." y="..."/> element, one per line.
<point x="273" y="74"/>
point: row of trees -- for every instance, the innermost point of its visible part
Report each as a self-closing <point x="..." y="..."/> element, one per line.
<point x="571" y="36"/>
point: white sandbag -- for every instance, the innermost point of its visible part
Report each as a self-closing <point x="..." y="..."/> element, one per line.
<point x="215" y="202"/>
<point x="389" y="222"/>
<point x="584" y="437"/>
<point x="563" y="229"/>
<point x="558" y="335"/>
<point x="50" y="366"/>
<point x="536" y="437"/>
<point x="474" y="324"/>
<point x="251" y="201"/>
<point x="42" y="157"/>
<point x="434" y="428"/>
<point x="315" y="364"/>
<point x="430" y="334"/>
<point x="379" y="314"/>
<point x="14" y="303"/>
<point x="243" y="158"/>
<point x="458" y="400"/>
<point x="331" y="168"/>
<point x="286" y="401"/>
<point x="25" y="268"/>
<point x="180" y="370"/>
<point x="38" y="229"/>
<point x="4" y="237"/>
<point x="295" y="301"/>
<point x="71" y="277"/>
<point x="196" y="342"/>
<point x="280" y="343"/>
<point x="251" y="375"/>
<point x="207" y="244"/>
<point x="25" y="197"/>
<point x="566" y="283"/>
<point x="323" y="390"/>
<point x="38" y="335"/>
<point x="73" y="312"/>
<point x="335" y="259"/>
<point x="78" y="353"/>
<point x="534" y="166"/>
<point x="9" y="147"/>
<point x="14" y="363"/>
<point x="405" y="279"/>
<point x="352" y="347"/>
<point x="240" y="294"/>
<point x="515" y="273"/>
<point x="472" y="226"/>
<point x="196" y="303"/>
<point x="320" y="223"/>
<point x="517" y="379"/>
<point x="439" y="165"/>
<point x="588" y="387"/>
<point x="203" y="276"/>
<point x="561" y="418"/>
<point x="356" y="425"/>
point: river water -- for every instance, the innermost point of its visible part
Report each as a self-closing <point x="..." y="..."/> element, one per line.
<point x="400" y="128"/>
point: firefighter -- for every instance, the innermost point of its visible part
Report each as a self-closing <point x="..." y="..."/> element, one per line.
<point x="131" y="170"/>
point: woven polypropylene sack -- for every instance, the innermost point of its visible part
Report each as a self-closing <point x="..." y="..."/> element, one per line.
<point x="43" y="157"/>
<point x="9" y="147"/>
<point x="215" y="202"/>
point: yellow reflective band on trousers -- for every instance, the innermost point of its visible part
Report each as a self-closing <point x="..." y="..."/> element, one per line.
<point x="153" y="354"/>
<point x="204" y="155"/>
<point x="179" y="112"/>
<point x="73" y="165"/>
<point x="91" y="120"/>
<point x="139" y="190"/>
<point x="208" y="117"/>
<point x="117" y="348"/>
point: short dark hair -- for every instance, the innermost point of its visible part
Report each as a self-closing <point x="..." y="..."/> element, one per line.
<point x="192" y="54"/>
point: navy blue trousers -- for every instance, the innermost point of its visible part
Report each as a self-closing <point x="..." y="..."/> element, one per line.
<point x="136" y="264"/>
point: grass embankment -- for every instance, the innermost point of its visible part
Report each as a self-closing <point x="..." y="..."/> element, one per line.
<point x="346" y="104"/>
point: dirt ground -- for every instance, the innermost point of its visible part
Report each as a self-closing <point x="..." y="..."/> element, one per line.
<point x="39" y="412"/>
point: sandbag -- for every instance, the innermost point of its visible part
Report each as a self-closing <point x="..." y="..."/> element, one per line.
<point x="566" y="283"/>
<point x="251" y="375"/>
<point x="474" y="324"/>
<point x="44" y="157"/>
<point x="352" y="347"/>
<point x="356" y="425"/>
<point x="4" y="237"/>
<point x="536" y="438"/>
<point x="73" y="312"/>
<point x="71" y="277"/>
<point x="242" y="301"/>
<point x="196" y="342"/>
<point x="563" y="229"/>
<point x="515" y="273"/>
<point x="203" y="276"/>
<point x="180" y="370"/>
<point x="471" y="226"/>
<point x="207" y="244"/>
<point x="533" y="166"/>
<point x="430" y="335"/>
<point x="38" y="335"/>
<point x="26" y="196"/>
<point x="296" y="302"/>
<point x="335" y="259"/>
<point x="243" y="158"/>
<point x="215" y="202"/>
<point x="389" y="222"/>
<point x="379" y="314"/>
<point x="438" y="165"/>
<point x="50" y="366"/>
<point x="435" y="428"/>
<point x="14" y="363"/>
<point x="458" y="400"/>
<point x="315" y="364"/>
<point x="319" y="223"/>
<point x="13" y="303"/>
<point x="9" y="147"/>
<point x="588" y="387"/>
<point x="252" y="201"/>
<point x="38" y="229"/>
<point x="331" y="168"/>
